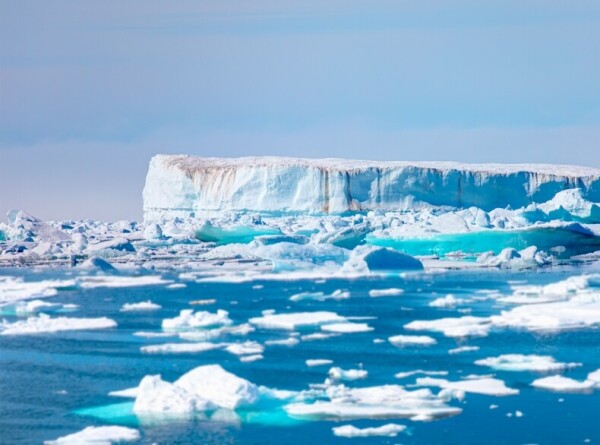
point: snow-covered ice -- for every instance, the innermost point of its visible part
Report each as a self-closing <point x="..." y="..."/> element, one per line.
<point x="188" y="319"/>
<point x="347" y="375"/>
<point x="387" y="430"/>
<point x="141" y="306"/>
<point x="410" y="340"/>
<point x="98" y="435"/>
<point x="486" y="385"/>
<point x="43" y="323"/>
<point x="291" y="321"/>
<point x="560" y="383"/>
<point x="521" y="362"/>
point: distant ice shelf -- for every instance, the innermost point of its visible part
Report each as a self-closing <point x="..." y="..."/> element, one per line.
<point x="190" y="186"/>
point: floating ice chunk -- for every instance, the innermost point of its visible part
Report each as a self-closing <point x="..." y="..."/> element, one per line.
<point x="154" y="395"/>
<point x="245" y="348"/>
<point x="141" y="306"/>
<point x="149" y="334"/>
<point x="181" y="348"/>
<point x="594" y="377"/>
<point x="317" y="336"/>
<point x="389" y="259"/>
<point x="563" y="384"/>
<point x="294" y="320"/>
<point x="188" y="319"/>
<point x="177" y="286"/>
<point x="388" y="430"/>
<point x="291" y="341"/>
<point x="486" y="386"/>
<point x="115" y="244"/>
<point x="447" y="301"/>
<point x="393" y="291"/>
<point x="33" y="306"/>
<point x="320" y="296"/>
<point x="251" y="358"/>
<point x="578" y="312"/>
<point x="93" y="282"/>
<point x="98" y="435"/>
<point x="558" y="291"/>
<point x="410" y="340"/>
<point x="153" y="232"/>
<point x="567" y="204"/>
<point x="403" y="375"/>
<point x="223" y="388"/>
<point x="346" y="328"/>
<point x="339" y="374"/>
<point x="97" y="263"/>
<point x="375" y="402"/>
<point x="520" y="362"/>
<point x="462" y="349"/>
<point x="14" y="289"/>
<point x="371" y="258"/>
<point x="322" y="362"/>
<point x="453" y="327"/>
<point x="290" y="256"/>
<point x="45" y="324"/>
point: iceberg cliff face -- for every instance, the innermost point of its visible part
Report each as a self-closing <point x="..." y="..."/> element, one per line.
<point x="192" y="186"/>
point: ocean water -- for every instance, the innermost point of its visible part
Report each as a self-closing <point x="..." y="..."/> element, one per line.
<point x="52" y="385"/>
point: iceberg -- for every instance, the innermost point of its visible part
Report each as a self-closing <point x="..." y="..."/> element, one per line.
<point x="218" y="386"/>
<point x="204" y="388"/>
<point x="184" y="186"/>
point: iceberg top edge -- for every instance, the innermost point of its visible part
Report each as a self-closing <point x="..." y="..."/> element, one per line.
<point x="192" y="163"/>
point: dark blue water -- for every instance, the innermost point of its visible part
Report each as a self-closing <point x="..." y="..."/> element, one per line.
<point x="47" y="382"/>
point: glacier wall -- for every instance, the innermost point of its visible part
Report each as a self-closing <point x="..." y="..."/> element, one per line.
<point x="182" y="185"/>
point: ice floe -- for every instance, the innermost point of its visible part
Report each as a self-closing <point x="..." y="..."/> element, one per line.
<point x="188" y="319"/>
<point x="98" y="435"/>
<point x="294" y="320"/>
<point x="43" y="323"/>
<point x="447" y="301"/>
<point x="13" y="289"/>
<point x="96" y="281"/>
<point x="560" y="383"/>
<point x="346" y="328"/>
<point x="410" y="340"/>
<point x="374" y="402"/>
<point x="486" y="386"/>
<point x="179" y="348"/>
<point x="322" y="362"/>
<point x="141" y="306"/>
<point x="320" y="296"/>
<point x="520" y="362"/>
<point x="388" y="430"/>
<point x="462" y="349"/>
<point x="403" y="375"/>
<point x="347" y="375"/>
<point x="391" y="292"/>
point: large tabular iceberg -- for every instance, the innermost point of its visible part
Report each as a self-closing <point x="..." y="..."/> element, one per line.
<point x="187" y="185"/>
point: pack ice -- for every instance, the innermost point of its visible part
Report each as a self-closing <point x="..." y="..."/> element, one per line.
<point x="326" y="216"/>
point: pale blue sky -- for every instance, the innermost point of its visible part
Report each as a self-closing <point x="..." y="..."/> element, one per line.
<point x="90" y="90"/>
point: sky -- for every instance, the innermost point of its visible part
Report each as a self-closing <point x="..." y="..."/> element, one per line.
<point x="89" y="91"/>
